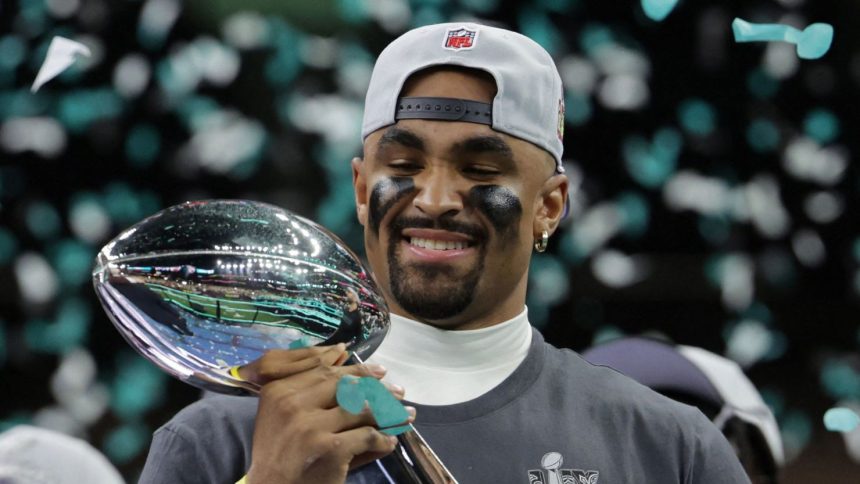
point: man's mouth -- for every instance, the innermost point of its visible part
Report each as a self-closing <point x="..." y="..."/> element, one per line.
<point x="435" y="244"/>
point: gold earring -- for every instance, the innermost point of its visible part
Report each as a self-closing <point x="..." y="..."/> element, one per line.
<point x="540" y="244"/>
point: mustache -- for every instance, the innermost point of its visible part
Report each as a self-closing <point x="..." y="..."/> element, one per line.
<point x="474" y="231"/>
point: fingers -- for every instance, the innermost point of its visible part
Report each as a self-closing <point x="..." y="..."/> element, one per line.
<point x="322" y="382"/>
<point x="364" y="442"/>
<point x="339" y="420"/>
<point x="278" y="364"/>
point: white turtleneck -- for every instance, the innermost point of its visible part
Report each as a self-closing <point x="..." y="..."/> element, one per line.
<point x="442" y="367"/>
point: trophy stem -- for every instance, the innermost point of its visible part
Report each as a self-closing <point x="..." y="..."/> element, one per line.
<point x="413" y="461"/>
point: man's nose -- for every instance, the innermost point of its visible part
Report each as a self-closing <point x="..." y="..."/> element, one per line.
<point x="438" y="194"/>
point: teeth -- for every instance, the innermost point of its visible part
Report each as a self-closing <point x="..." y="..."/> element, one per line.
<point x="437" y="244"/>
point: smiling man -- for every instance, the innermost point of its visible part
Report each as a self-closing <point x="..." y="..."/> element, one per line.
<point x="461" y="180"/>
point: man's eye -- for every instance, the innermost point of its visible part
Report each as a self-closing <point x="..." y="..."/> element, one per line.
<point x="481" y="171"/>
<point x="404" y="167"/>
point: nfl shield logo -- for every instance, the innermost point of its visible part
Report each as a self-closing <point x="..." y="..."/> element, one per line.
<point x="461" y="38"/>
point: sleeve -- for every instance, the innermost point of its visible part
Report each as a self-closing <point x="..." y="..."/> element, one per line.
<point x="201" y="445"/>
<point x="713" y="461"/>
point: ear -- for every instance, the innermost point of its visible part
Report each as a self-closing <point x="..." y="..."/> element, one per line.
<point x="551" y="201"/>
<point x="359" y="185"/>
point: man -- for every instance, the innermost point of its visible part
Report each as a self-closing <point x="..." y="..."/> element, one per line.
<point x="461" y="179"/>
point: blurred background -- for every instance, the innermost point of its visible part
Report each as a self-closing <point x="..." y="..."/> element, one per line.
<point x="714" y="189"/>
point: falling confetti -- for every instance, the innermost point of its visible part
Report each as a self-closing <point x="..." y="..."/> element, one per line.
<point x="657" y="10"/>
<point x="61" y="55"/>
<point x="840" y="419"/>
<point x="812" y="42"/>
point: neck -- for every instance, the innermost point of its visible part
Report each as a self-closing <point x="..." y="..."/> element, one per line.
<point x="439" y="367"/>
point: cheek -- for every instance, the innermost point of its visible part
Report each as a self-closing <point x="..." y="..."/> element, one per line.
<point x="385" y="194"/>
<point x="500" y="205"/>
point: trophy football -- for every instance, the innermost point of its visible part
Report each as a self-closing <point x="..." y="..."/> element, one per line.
<point x="203" y="287"/>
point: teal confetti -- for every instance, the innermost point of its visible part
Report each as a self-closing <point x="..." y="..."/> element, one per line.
<point x="72" y="260"/>
<point x="137" y="386"/>
<point x="605" y="334"/>
<point x="796" y="429"/>
<point x="812" y="43"/>
<point x="126" y="442"/>
<point x="658" y="10"/>
<point x="122" y="204"/>
<point x="840" y="380"/>
<point x="142" y="145"/>
<point x="821" y="125"/>
<point x="480" y="6"/>
<point x="763" y="136"/>
<point x="652" y="163"/>
<point x="68" y="330"/>
<point x="426" y="15"/>
<point x="715" y="229"/>
<point x="17" y="418"/>
<point x="13" y="51"/>
<point x="42" y="220"/>
<point x="548" y="281"/>
<point x="840" y="419"/>
<point x="537" y="26"/>
<point x="697" y="117"/>
<point x="761" y="84"/>
<point x="353" y="11"/>
<point x="636" y="213"/>
<point x="558" y="6"/>
<point x="577" y="109"/>
<point x="80" y="108"/>
<point x="593" y="37"/>
<point x="8" y="246"/>
<point x="353" y="392"/>
<point x="23" y="103"/>
<point x="2" y="343"/>
<point x="349" y="394"/>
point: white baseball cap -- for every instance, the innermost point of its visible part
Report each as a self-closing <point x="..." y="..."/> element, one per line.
<point x="529" y="102"/>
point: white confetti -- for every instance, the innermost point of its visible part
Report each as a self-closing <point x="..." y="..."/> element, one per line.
<point x="61" y="55"/>
<point x="617" y="270"/>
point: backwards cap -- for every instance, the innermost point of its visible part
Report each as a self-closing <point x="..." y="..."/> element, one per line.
<point x="529" y="102"/>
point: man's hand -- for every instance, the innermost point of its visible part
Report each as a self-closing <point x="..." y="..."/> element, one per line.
<point x="301" y="434"/>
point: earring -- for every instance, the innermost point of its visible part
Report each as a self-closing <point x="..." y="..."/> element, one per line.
<point x="540" y="244"/>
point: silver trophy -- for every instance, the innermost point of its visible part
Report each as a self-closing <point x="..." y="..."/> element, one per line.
<point x="202" y="287"/>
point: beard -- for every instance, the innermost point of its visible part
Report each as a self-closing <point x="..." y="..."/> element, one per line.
<point x="430" y="291"/>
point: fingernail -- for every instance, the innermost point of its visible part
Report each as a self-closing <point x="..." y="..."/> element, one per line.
<point x="376" y="370"/>
<point x="392" y="439"/>
<point x="395" y="388"/>
<point x="341" y="347"/>
<point x="410" y="410"/>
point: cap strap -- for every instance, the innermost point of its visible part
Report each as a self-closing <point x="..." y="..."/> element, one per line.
<point x="444" y="108"/>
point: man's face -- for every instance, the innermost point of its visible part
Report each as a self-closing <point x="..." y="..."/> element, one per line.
<point x="451" y="210"/>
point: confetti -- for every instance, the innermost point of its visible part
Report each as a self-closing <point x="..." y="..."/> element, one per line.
<point x="840" y="419"/>
<point x="812" y="42"/>
<point x="353" y="393"/>
<point x="658" y="10"/>
<point x="61" y="55"/>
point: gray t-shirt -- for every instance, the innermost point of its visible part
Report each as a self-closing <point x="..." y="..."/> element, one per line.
<point x="556" y="419"/>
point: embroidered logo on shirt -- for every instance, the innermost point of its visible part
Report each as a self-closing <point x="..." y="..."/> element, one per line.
<point x="553" y="474"/>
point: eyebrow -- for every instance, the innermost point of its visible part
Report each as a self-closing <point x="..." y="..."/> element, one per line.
<point x="485" y="144"/>
<point x="402" y="137"/>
